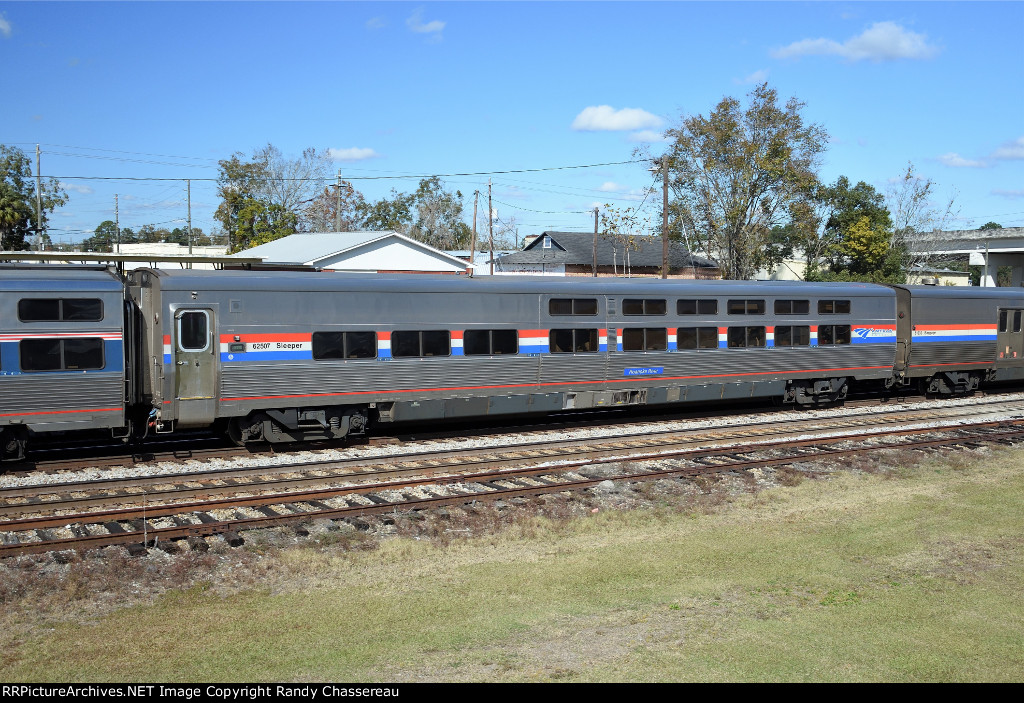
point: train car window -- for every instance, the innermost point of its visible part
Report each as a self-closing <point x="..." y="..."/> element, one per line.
<point x="645" y="339"/>
<point x="1016" y="320"/>
<point x="797" y="336"/>
<point x="328" y="345"/>
<point x="792" y="307"/>
<point x="833" y="307"/>
<point x="746" y="307"/>
<point x="833" y="334"/>
<point x="690" y="306"/>
<point x="81" y="309"/>
<point x="421" y="343"/>
<point x="490" y="342"/>
<point x="572" y="306"/>
<point x="84" y="354"/>
<point x="697" y="338"/>
<point x="60" y="309"/>
<point x="360" y="345"/>
<point x="192" y="330"/>
<point x="344" y="345"/>
<point x="1004" y="320"/>
<point x="746" y="337"/>
<point x="40" y="354"/>
<point x="643" y="307"/>
<point x="572" y="341"/>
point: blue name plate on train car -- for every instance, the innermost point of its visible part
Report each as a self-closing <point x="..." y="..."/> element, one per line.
<point x="644" y="371"/>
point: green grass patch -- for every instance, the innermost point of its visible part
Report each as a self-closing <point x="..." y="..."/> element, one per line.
<point x="860" y="578"/>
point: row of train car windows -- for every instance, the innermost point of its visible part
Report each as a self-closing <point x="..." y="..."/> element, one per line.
<point x="60" y="310"/>
<point x="427" y="343"/>
<point x="697" y="306"/>
<point x="79" y="354"/>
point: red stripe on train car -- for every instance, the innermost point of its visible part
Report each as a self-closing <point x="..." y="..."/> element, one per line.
<point x="64" y="412"/>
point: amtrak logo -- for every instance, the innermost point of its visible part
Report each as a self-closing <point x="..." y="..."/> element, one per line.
<point x="872" y="332"/>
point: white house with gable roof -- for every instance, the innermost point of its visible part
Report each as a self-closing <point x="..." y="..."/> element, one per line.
<point x="369" y="252"/>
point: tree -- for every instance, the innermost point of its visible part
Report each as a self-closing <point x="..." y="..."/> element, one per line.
<point x="103" y="237"/>
<point x="389" y="214"/>
<point x="439" y="220"/>
<point x="320" y="214"/>
<point x="18" y="199"/>
<point x="271" y="191"/>
<point x="737" y="174"/>
<point x="991" y="225"/>
<point x="858" y="235"/>
<point x="917" y="219"/>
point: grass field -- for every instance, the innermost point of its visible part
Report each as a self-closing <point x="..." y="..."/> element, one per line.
<point x="909" y="574"/>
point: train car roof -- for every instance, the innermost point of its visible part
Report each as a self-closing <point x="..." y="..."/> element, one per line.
<point x="963" y="292"/>
<point x="48" y="277"/>
<point x="328" y="281"/>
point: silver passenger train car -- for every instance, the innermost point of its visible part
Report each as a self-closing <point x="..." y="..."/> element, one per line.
<point x="62" y="353"/>
<point x="282" y="356"/>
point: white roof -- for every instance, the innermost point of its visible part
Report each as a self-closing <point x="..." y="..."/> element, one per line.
<point x="334" y="248"/>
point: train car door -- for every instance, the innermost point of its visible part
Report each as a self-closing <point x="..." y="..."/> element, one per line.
<point x="195" y="365"/>
<point x="1010" y="337"/>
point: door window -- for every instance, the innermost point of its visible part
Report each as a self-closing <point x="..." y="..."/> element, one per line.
<point x="193" y="330"/>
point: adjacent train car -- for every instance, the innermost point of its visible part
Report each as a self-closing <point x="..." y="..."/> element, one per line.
<point x="953" y="338"/>
<point x="302" y="355"/>
<point x="62" y="355"/>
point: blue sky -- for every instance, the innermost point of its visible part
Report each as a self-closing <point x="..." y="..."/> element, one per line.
<point x="164" y="90"/>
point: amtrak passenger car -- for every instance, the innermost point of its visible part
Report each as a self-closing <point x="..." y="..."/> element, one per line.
<point x="290" y="355"/>
<point x="62" y="355"/>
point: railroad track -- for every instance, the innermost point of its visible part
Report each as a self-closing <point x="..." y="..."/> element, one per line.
<point x="206" y="447"/>
<point x="161" y="487"/>
<point x="435" y="484"/>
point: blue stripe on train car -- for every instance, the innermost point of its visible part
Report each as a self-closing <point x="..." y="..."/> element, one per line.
<point x="10" y="359"/>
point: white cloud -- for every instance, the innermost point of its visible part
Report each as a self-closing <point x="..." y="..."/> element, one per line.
<point x="376" y="23"/>
<point x="1010" y="150"/>
<point x="647" y="135"/>
<point x="1009" y="193"/>
<point x="5" y="26"/>
<point x="883" y="41"/>
<point x="956" y="161"/>
<point x="756" y="77"/>
<point x="77" y="188"/>
<point x="351" y="154"/>
<point x="607" y="118"/>
<point x="433" y="28"/>
<point x="610" y="187"/>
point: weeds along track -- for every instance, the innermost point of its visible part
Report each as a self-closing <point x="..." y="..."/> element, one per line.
<point x="160" y="510"/>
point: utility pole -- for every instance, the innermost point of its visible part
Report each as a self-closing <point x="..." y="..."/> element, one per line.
<point x="39" y="206"/>
<point x="595" y="242"/>
<point x="117" y="224"/>
<point x="472" y="245"/>
<point x="664" y="216"/>
<point x="337" y="206"/>
<point x="490" y="223"/>
<point x="189" y="181"/>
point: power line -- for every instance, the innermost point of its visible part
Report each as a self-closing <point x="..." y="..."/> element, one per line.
<point x="359" y="178"/>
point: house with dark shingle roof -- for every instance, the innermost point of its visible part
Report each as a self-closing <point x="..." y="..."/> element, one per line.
<point x="572" y="254"/>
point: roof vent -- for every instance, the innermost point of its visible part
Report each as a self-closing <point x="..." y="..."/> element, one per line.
<point x="930" y="281"/>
